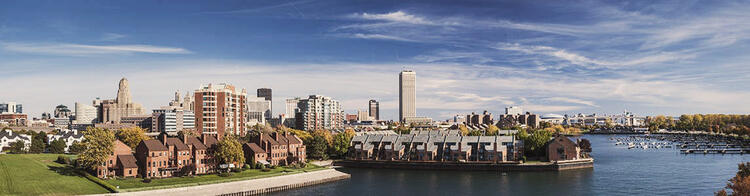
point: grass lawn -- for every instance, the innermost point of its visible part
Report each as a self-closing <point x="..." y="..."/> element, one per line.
<point x="38" y="174"/>
<point x="137" y="184"/>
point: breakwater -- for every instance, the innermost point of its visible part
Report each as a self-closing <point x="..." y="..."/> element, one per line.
<point x="477" y="166"/>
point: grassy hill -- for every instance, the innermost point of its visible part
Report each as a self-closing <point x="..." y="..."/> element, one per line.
<point x="39" y="174"/>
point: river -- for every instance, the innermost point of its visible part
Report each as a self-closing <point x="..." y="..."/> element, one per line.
<point x="617" y="171"/>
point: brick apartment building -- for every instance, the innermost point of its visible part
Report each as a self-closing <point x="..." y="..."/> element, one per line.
<point x="280" y="148"/>
<point x="220" y="109"/>
<point x="120" y="163"/>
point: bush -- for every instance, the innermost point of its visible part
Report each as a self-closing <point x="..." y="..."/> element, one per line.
<point x="272" y="166"/>
<point x="225" y="174"/>
<point x="524" y="159"/>
<point x="258" y="165"/>
<point x="63" y="160"/>
<point x="265" y="170"/>
<point x="247" y="166"/>
<point x="236" y="170"/>
<point x="302" y="164"/>
<point x="147" y="180"/>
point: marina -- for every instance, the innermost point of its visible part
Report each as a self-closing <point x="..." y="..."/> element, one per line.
<point x="686" y="143"/>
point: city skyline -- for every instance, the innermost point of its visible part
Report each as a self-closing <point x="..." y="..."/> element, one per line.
<point x="557" y="58"/>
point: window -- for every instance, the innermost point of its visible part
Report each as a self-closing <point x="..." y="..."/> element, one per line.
<point x="130" y="172"/>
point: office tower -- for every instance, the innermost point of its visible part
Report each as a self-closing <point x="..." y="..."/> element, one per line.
<point x="374" y="110"/>
<point x="220" y="109"/>
<point x="115" y="109"/>
<point x="319" y="112"/>
<point x="258" y="109"/>
<point x="407" y="94"/>
<point x="266" y="93"/>
<point x="291" y="107"/>
<point x="362" y="115"/>
<point x="85" y="114"/>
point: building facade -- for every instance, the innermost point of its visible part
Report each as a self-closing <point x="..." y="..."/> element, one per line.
<point x="407" y="94"/>
<point x="258" y="109"/>
<point x="85" y="114"/>
<point x="291" y="106"/>
<point x="267" y="94"/>
<point x="171" y="120"/>
<point x="220" y="109"/>
<point x="319" y="112"/>
<point x="11" y="108"/>
<point x="374" y="109"/>
<point x="113" y="110"/>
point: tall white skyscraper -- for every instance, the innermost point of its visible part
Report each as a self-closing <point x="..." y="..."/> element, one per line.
<point x="258" y="108"/>
<point x="407" y="94"/>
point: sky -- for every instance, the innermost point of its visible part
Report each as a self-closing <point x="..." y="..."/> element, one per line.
<point x="562" y="57"/>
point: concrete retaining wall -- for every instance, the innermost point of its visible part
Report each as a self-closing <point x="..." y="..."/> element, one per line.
<point x="558" y="166"/>
<point x="286" y="187"/>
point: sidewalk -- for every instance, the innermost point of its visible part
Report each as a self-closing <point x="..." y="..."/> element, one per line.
<point x="247" y="185"/>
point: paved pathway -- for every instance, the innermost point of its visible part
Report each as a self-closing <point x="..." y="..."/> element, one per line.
<point x="240" y="186"/>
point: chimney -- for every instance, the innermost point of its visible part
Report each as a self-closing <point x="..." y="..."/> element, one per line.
<point x="164" y="138"/>
<point x="260" y="137"/>
<point x="203" y="137"/>
<point x="276" y="136"/>
<point x="184" y="137"/>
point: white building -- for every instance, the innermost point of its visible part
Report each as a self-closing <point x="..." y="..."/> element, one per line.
<point x="11" y="108"/>
<point x="291" y="107"/>
<point x="407" y="94"/>
<point x="171" y="120"/>
<point x="258" y="109"/>
<point x="363" y="115"/>
<point x="554" y="119"/>
<point x="85" y="114"/>
<point x="7" y="137"/>
<point x="320" y="112"/>
<point x="514" y="110"/>
<point x="66" y="135"/>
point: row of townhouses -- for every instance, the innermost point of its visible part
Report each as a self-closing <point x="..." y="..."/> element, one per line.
<point x="172" y="156"/>
<point x="435" y="147"/>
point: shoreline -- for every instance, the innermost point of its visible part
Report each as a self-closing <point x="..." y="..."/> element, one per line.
<point x="471" y="166"/>
<point x="251" y="187"/>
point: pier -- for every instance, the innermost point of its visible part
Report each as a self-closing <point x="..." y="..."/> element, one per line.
<point x="687" y="143"/>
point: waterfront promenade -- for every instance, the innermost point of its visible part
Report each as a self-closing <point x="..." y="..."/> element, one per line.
<point x="248" y="187"/>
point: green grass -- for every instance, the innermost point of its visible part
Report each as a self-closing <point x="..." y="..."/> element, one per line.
<point x="39" y="174"/>
<point x="137" y="184"/>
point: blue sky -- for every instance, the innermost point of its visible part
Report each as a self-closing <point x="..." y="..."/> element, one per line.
<point x="663" y="57"/>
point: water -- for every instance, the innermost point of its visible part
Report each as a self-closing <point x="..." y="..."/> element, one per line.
<point x="617" y="171"/>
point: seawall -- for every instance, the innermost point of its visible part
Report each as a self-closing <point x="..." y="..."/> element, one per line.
<point x="251" y="187"/>
<point x="478" y="166"/>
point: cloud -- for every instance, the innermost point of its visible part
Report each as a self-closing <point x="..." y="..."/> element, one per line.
<point x="397" y="16"/>
<point x="65" y="49"/>
<point x="378" y="36"/>
<point x="112" y="37"/>
<point x="573" y="100"/>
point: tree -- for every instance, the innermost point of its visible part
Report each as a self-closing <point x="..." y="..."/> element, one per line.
<point x="475" y="133"/>
<point x="317" y="147"/>
<point x="229" y="151"/>
<point x="132" y="136"/>
<point x="57" y="147"/>
<point x="463" y="129"/>
<point x="17" y="147"/>
<point x="534" y="144"/>
<point x="341" y="143"/>
<point x="740" y="183"/>
<point x="585" y="145"/>
<point x="492" y="130"/>
<point x="76" y="147"/>
<point x="37" y="142"/>
<point x="403" y="129"/>
<point x="98" y="144"/>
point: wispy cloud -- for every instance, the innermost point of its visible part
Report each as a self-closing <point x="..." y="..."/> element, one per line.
<point x="85" y="50"/>
<point x="379" y="36"/>
<point x="261" y="8"/>
<point x="397" y="16"/>
<point x="112" y="37"/>
<point x="573" y="100"/>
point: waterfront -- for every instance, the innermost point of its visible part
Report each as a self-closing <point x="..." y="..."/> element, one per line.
<point x="617" y="171"/>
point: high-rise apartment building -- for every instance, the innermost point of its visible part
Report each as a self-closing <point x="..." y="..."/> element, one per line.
<point x="115" y="109"/>
<point x="362" y="115"/>
<point x="11" y="108"/>
<point x="258" y="109"/>
<point x="220" y="109"/>
<point x="374" y="110"/>
<point x="407" y="94"/>
<point x="291" y="106"/>
<point x="266" y="94"/>
<point x="319" y="112"/>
